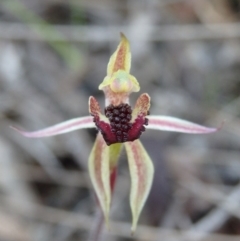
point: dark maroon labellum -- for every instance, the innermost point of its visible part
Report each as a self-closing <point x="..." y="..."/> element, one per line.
<point x="119" y="117"/>
<point x="120" y="129"/>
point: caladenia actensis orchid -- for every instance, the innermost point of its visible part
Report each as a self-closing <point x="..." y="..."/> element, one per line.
<point x="120" y="125"/>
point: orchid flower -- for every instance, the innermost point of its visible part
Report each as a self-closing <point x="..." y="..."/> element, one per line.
<point x="120" y="125"/>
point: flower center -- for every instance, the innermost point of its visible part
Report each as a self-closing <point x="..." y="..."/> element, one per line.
<point x="122" y="127"/>
<point x="119" y="117"/>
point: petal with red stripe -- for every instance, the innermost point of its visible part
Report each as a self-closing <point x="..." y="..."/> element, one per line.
<point x="168" y="123"/>
<point x="100" y="174"/>
<point x="64" y="127"/>
<point x="141" y="173"/>
<point x="121" y="58"/>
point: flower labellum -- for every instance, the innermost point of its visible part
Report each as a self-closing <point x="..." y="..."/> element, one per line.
<point x="120" y="125"/>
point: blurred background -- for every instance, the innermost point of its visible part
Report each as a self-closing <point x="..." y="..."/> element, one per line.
<point x="53" y="56"/>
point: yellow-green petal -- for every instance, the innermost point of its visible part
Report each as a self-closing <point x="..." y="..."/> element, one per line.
<point x="100" y="174"/>
<point x="141" y="173"/>
<point x="121" y="58"/>
<point x="119" y="79"/>
<point x="102" y="165"/>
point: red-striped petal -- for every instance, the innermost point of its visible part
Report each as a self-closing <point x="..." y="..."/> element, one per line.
<point x="121" y="58"/>
<point x="64" y="127"/>
<point x="168" y="123"/>
<point x="141" y="172"/>
<point x="100" y="174"/>
<point x="102" y="169"/>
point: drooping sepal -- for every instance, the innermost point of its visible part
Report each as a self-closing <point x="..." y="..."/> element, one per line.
<point x="64" y="127"/>
<point x="168" y="123"/>
<point x="102" y="169"/>
<point x="100" y="174"/>
<point x="141" y="173"/>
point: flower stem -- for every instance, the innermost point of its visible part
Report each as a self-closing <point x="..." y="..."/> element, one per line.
<point x="96" y="230"/>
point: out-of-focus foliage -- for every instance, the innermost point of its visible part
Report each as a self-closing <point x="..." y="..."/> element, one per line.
<point x="185" y="54"/>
